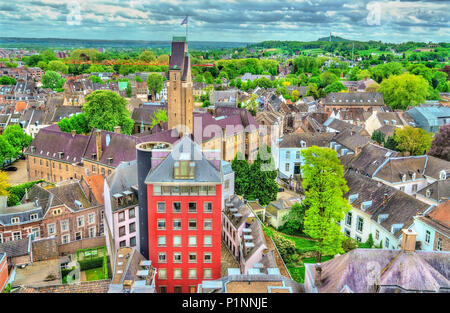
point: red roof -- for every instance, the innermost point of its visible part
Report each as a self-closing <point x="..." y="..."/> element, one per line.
<point x="96" y="183"/>
<point x="441" y="213"/>
<point x="21" y="106"/>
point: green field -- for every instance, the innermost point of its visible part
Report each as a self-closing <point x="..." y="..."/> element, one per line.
<point x="94" y="274"/>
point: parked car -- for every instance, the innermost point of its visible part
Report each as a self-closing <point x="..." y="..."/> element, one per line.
<point x="10" y="169"/>
<point x="280" y="189"/>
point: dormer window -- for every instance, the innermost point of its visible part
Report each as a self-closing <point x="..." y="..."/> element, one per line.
<point x="184" y="169"/>
<point x="413" y="176"/>
<point x="33" y="216"/>
<point x="15" y="220"/>
<point x="303" y="144"/>
<point x="428" y="193"/>
<point x="61" y="155"/>
<point x="442" y="175"/>
<point x="403" y="177"/>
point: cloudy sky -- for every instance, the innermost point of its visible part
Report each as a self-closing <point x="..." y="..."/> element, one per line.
<point x="227" y="20"/>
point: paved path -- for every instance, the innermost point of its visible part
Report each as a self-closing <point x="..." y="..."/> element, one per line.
<point x="20" y="176"/>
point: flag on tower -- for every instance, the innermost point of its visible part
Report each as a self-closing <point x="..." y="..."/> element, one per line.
<point x="184" y="21"/>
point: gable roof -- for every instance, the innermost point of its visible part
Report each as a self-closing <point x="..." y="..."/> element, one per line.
<point x="393" y="169"/>
<point x="16" y="248"/>
<point x="293" y="140"/>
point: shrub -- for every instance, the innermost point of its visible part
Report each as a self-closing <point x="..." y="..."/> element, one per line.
<point x="16" y="193"/>
<point x="285" y="246"/>
<point x="91" y="263"/>
<point x="349" y="244"/>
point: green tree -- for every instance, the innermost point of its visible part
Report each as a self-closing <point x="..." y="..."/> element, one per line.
<point x="105" y="109"/>
<point x="6" y="151"/>
<point x="77" y="122"/>
<point x="252" y="105"/>
<point x="147" y="56"/>
<point x="159" y="116"/>
<point x="335" y="87"/>
<point x="327" y="78"/>
<point x="295" y="95"/>
<point x="128" y="90"/>
<point x="416" y="141"/>
<point x="57" y="66"/>
<point x="6" y="80"/>
<point x="324" y="185"/>
<point x="96" y="79"/>
<point x="390" y="143"/>
<point x="241" y="170"/>
<point x="401" y="91"/>
<point x="312" y="90"/>
<point x="378" y="136"/>
<point x="48" y="55"/>
<point x="138" y="79"/>
<point x="262" y="178"/>
<point x="155" y="84"/>
<point x="294" y="219"/>
<point x="17" y="138"/>
<point x="53" y="80"/>
<point x="363" y="74"/>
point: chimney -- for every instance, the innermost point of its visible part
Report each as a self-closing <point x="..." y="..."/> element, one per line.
<point x="408" y="240"/>
<point x="117" y="129"/>
<point x="385" y="197"/>
<point x="3" y="202"/>
<point x="36" y="201"/>
<point x="74" y="132"/>
<point x="358" y="150"/>
<point x="98" y="139"/>
<point x="26" y="196"/>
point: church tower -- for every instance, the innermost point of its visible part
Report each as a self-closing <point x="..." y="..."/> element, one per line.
<point x="179" y="88"/>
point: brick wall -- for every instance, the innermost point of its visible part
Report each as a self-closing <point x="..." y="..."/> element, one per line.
<point x="445" y="242"/>
<point x="72" y="247"/>
<point x="45" y="249"/>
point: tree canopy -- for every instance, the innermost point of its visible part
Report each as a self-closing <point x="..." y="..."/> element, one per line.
<point x="53" y="80"/>
<point x="4" y="184"/>
<point x="324" y="185"/>
<point x="155" y="84"/>
<point x="105" y="109"/>
<point x="159" y="116"/>
<point x="440" y="147"/>
<point x="17" y="138"/>
<point x="77" y="122"/>
<point x="416" y="141"/>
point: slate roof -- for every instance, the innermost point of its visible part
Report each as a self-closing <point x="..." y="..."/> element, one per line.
<point x="359" y="269"/>
<point x="369" y="159"/>
<point x="22" y="211"/>
<point x="145" y="114"/>
<point x="293" y="140"/>
<point x="435" y="166"/>
<point x="439" y="189"/>
<point x="340" y="125"/>
<point x="176" y="59"/>
<point x="351" y="139"/>
<point x="98" y="286"/>
<point x="224" y="97"/>
<point x="16" y="248"/>
<point x="204" y="169"/>
<point x="393" y="169"/>
<point x="50" y="140"/>
<point x="353" y="98"/>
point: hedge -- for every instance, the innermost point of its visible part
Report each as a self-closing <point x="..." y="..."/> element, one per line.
<point x="16" y="193"/>
<point x="284" y="245"/>
<point x="91" y="263"/>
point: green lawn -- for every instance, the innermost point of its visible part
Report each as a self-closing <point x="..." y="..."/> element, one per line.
<point x="94" y="274"/>
<point x="298" y="272"/>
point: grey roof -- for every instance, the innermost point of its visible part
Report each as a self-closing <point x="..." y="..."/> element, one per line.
<point x="354" y="98"/>
<point x="439" y="189"/>
<point x="16" y="248"/>
<point x="226" y="167"/>
<point x="317" y="139"/>
<point x="123" y="178"/>
<point x="351" y="139"/>
<point x="204" y="170"/>
<point x="393" y="270"/>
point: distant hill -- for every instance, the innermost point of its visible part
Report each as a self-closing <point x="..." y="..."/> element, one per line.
<point x="333" y="39"/>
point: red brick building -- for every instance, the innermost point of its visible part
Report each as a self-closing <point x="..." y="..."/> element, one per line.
<point x="3" y="272"/>
<point x="184" y="195"/>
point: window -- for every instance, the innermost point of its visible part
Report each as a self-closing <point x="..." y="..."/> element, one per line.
<point x="161" y="241"/>
<point x="227" y="184"/>
<point x="211" y="190"/>
<point x="51" y="229"/>
<point x="427" y="237"/>
<point x="347" y="232"/>
<point x="93" y="168"/>
<point x="64" y="225"/>
<point x="78" y="236"/>
<point x="402" y="188"/>
<point x="157" y="190"/>
<point x="132" y="227"/>
<point x="176" y="207"/>
<point x="414" y="188"/>
<point x="207" y="224"/>
<point x="192" y="257"/>
<point x="34" y="216"/>
<point x="192" y="241"/>
<point x="439" y="244"/>
<point x="15" y="220"/>
<point x="162" y="289"/>
<point x="192" y="224"/>
<point x="286" y="167"/>
<point x="192" y="273"/>
<point x="377" y="234"/>
<point x="288" y="155"/>
<point x="358" y="239"/>
<point x="65" y="239"/>
<point x="348" y="219"/>
<point x="177" y="289"/>
<point x="17" y="235"/>
<point x="177" y="273"/>
<point x="122" y="231"/>
<point x="359" y="224"/>
<point x="91" y="218"/>
<point x="387" y="243"/>
<point x="208" y="207"/>
<point x="133" y="242"/>
<point x="161" y="224"/>
<point x="121" y="216"/>
<point x="56" y="212"/>
<point x="131" y="213"/>
<point x="207" y="257"/>
<point x="177" y="257"/>
<point x="162" y="273"/>
<point x="123" y="243"/>
<point x="297" y="155"/>
<point x="80" y="221"/>
<point x="161" y="207"/>
<point x="177" y="241"/>
<point x="162" y="257"/>
<point x="91" y="232"/>
<point x="207" y="273"/>
<point x="177" y="224"/>
<point x="192" y="207"/>
<point x="207" y="241"/>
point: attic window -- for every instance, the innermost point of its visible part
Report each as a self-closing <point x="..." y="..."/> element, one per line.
<point x="442" y="175"/>
<point x="353" y="197"/>
<point x="110" y="160"/>
<point x="15" y="220"/>
<point x="428" y="193"/>
<point x="184" y="170"/>
<point x="366" y="204"/>
<point x="403" y="177"/>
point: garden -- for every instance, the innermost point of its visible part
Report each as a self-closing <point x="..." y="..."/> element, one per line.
<point x="92" y="264"/>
